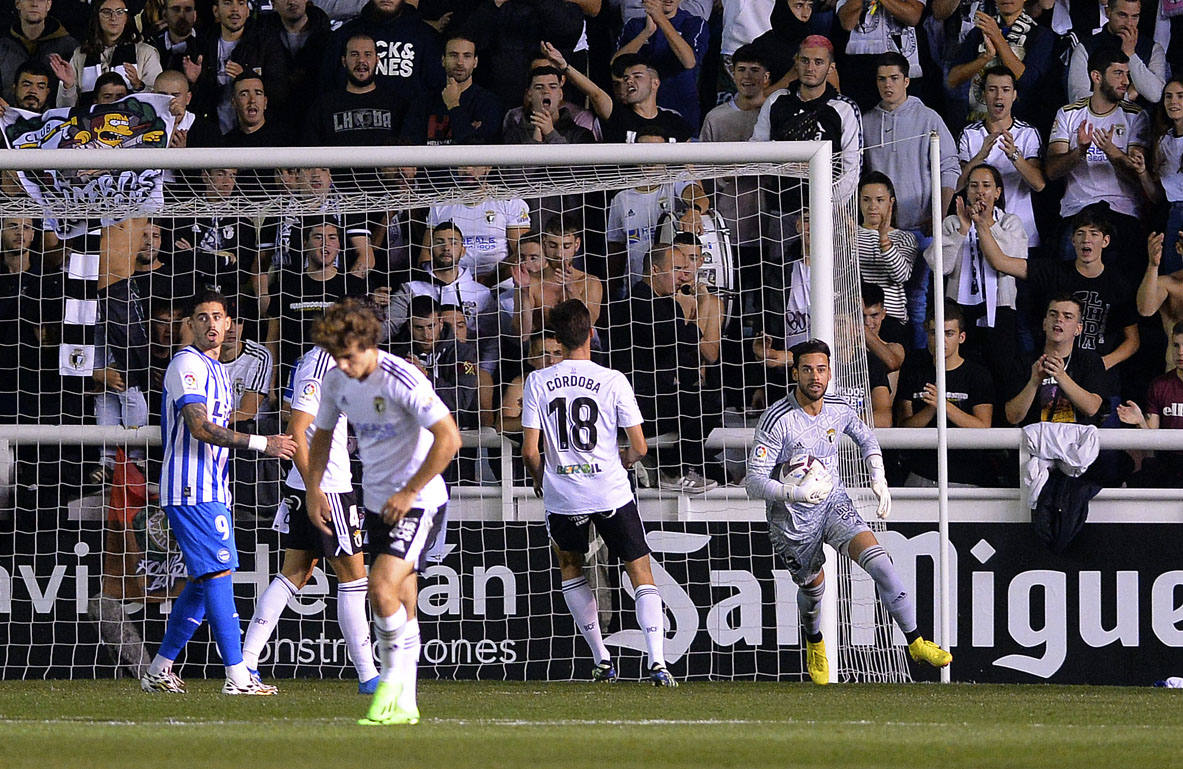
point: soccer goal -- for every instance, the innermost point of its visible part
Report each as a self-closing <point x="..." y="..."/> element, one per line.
<point x="758" y="250"/>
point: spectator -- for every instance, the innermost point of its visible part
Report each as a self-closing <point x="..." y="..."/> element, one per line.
<point x="491" y="226"/>
<point x="409" y="51"/>
<point x="1091" y="146"/>
<point x="448" y="280"/>
<point x="985" y="296"/>
<point x="1164" y="410"/>
<point x="111" y="45"/>
<point x="35" y="36"/>
<point x="300" y="31"/>
<point x="545" y="117"/>
<point x="508" y="34"/>
<point x="248" y="367"/>
<point x="21" y="251"/>
<point x="813" y="109"/>
<point x="658" y="347"/>
<point x="743" y="22"/>
<point x="896" y="136"/>
<point x="121" y="342"/>
<point x="584" y="118"/>
<point x="885" y="336"/>
<point x="1066" y="383"/>
<point x="31" y="88"/>
<point x="190" y="130"/>
<point x="637" y="85"/>
<point x="253" y="129"/>
<point x="463" y="112"/>
<point x="361" y="114"/>
<point x="400" y="232"/>
<point x="525" y="274"/>
<point x="1013" y="147"/>
<point x="109" y="88"/>
<point x="1161" y="293"/>
<point x="558" y="281"/>
<point x="178" y="42"/>
<point x="448" y="363"/>
<point x="544" y="351"/>
<point x="791" y="22"/>
<point x="969" y="402"/>
<point x="166" y="331"/>
<point x="674" y="43"/>
<point x="1148" y="62"/>
<point x="1166" y="163"/>
<point x="237" y="47"/>
<point x="219" y="251"/>
<point x="700" y="305"/>
<point x="1009" y="38"/>
<point x="886" y="254"/>
<point x="299" y="298"/>
<point x="875" y="29"/>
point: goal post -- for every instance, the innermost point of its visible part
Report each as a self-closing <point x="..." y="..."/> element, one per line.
<point x="495" y="556"/>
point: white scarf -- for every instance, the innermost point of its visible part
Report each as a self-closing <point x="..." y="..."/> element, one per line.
<point x="797" y="305"/>
<point x="978" y="281"/>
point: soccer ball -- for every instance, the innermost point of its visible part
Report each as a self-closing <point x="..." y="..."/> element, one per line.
<point x="795" y="470"/>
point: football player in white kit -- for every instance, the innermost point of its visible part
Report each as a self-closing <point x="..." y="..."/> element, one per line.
<point x="577" y="406"/>
<point x="818" y="511"/>
<point x="304" y="544"/>
<point x="405" y="438"/>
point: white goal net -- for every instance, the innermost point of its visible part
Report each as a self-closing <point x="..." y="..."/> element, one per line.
<point x="462" y="251"/>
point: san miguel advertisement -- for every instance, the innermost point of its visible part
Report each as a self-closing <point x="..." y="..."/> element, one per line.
<point x="1110" y="611"/>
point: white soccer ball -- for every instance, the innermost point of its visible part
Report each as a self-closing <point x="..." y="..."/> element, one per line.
<point x="793" y="472"/>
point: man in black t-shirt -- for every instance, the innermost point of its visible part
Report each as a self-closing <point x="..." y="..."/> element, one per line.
<point x="361" y="114"/>
<point x="969" y="397"/>
<point x="1066" y="383"/>
<point x="636" y="84"/>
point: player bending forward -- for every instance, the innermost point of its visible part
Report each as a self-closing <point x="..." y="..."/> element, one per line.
<point x="305" y="544"/>
<point x="578" y="405"/>
<point x="197" y="402"/>
<point x="405" y="437"/>
<point x="818" y="511"/>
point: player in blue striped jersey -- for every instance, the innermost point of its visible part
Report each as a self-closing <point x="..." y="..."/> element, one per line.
<point x="406" y="437"/>
<point x="195" y="493"/>
<point x="803" y="517"/>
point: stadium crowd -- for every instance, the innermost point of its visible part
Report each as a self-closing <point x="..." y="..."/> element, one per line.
<point x="1061" y="128"/>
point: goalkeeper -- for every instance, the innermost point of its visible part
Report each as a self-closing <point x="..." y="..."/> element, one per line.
<point x="817" y="511"/>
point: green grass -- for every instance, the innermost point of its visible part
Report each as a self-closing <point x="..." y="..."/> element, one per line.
<point x="488" y="725"/>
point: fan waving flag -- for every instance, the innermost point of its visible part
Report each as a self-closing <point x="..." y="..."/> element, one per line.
<point x="142" y="120"/>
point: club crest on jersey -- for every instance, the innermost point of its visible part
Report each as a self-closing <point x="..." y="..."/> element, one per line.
<point x="380" y="404"/>
<point x="831" y="436"/>
<point x="491" y="217"/>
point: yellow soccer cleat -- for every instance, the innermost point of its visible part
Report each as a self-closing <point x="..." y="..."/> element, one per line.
<point x="927" y="651"/>
<point x="384" y="707"/>
<point x="815" y="660"/>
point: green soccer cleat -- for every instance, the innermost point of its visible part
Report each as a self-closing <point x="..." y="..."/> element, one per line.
<point x="384" y="710"/>
<point x="926" y="651"/>
<point x="816" y="662"/>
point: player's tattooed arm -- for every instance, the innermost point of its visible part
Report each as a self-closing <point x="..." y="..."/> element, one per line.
<point x="199" y="424"/>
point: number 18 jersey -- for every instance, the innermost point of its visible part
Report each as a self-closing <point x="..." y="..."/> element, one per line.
<point x="578" y="405"/>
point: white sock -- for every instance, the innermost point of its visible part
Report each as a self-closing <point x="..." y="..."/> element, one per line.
<point x="582" y="605"/>
<point x="258" y="631"/>
<point x="406" y="660"/>
<point x="355" y="628"/>
<point x="387" y="631"/>
<point x="238" y="674"/>
<point x="651" y="618"/>
<point x="160" y="665"/>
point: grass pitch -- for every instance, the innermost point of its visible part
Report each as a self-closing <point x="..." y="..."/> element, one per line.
<point x="489" y="725"/>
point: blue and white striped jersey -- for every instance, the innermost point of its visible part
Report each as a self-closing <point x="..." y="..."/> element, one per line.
<point x="194" y="471"/>
<point x="390" y="411"/>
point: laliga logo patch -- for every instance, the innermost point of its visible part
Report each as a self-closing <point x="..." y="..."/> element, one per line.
<point x="761" y="452"/>
<point x="380" y="404"/>
<point x="223" y="555"/>
<point x="310" y="388"/>
<point x="190" y="380"/>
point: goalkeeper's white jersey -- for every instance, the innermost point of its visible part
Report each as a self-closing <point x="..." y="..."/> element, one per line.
<point x="786" y="430"/>
<point x="578" y="405"/>
<point x="306" y="391"/>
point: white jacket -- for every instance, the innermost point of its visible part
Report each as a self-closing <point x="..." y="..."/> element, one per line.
<point x="1068" y="447"/>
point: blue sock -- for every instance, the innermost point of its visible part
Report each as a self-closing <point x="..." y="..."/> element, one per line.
<point x="183" y="621"/>
<point x="223" y="618"/>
